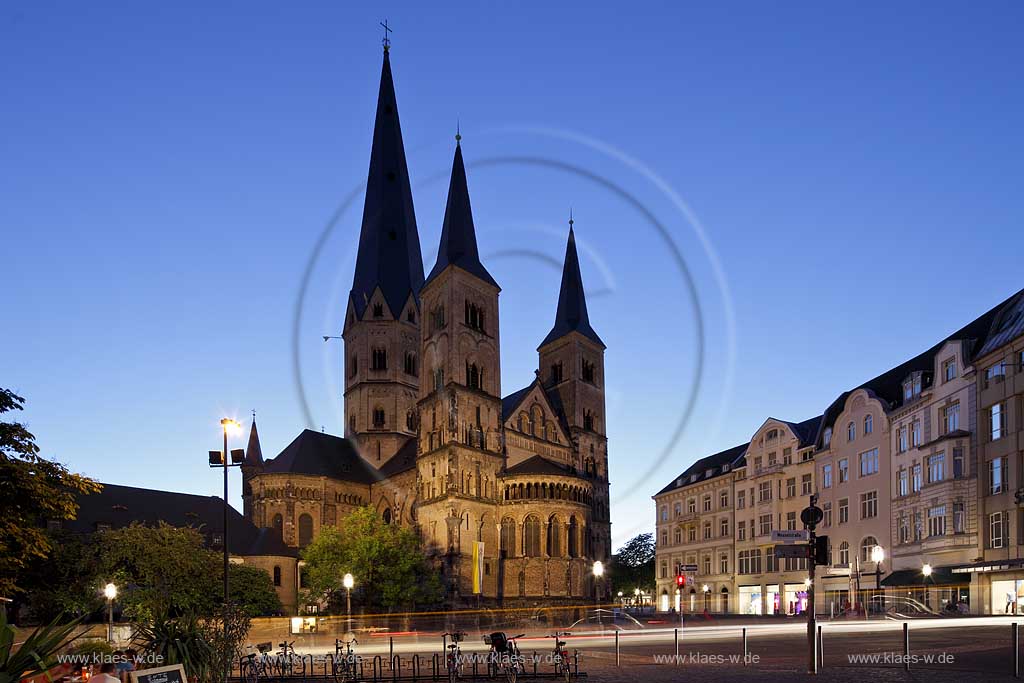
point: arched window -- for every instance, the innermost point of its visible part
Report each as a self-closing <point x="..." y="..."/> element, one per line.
<point x="851" y="431"/>
<point x="277" y="576"/>
<point x="531" y="537"/>
<point x="866" y="548"/>
<point x="305" y="530"/>
<point x="474" y="378"/>
<point x="410" y="421"/>
<point x="869" y="424"/>
<point x="378" y="417"/>
<point x="554" y="537"/>
<point x="574" y="532"/>
<point x="410" y="364"/>
<point x="278" y="524"/>
<point x="386" y="516"/>
<point x="508" y="537"/>
<point x="844" y="553"/>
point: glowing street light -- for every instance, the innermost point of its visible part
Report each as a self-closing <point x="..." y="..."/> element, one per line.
<point x="598" y="570"/>
<point x="110" y="592"/>
<point x="926" y="570"/>
<point x="348" y="581"/>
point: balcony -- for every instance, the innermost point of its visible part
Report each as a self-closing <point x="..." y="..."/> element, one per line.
<point x="766" y="470"/>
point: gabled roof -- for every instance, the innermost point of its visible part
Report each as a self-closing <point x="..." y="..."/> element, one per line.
<point x="511" y="403"/>
<point x="402" y="461"/>
<point x="253" y="452"/>
<point x="118" y="506"/>
<point x="458" y="235"/>
<point x="571" y="314"/>
<point x="715" y="463"/>
<point x="389" y="245"/>
<point x="538" y="464"/>
<point x="319" y="454"/>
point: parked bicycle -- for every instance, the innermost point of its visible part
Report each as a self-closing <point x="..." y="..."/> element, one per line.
<point x="289" y="663"/>
<point x="560" y="657"/>
<point x="505" y="655"/>
<point x="346" y="661"/>
<point x="255" y="665"/>
<point x="453" y="657"/>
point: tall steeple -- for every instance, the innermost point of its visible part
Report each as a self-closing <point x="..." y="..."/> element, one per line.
<point x="389" y="244"/>
<point x="253" y="452"/>
<point x="571" y="315"/>
<point x="458" y="236"/>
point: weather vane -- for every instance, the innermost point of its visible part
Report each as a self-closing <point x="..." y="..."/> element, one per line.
<point x="387" y="40"/>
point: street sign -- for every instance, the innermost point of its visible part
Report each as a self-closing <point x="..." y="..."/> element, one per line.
<point x="688" y="568"/>
<point x="794" y="536"/>
<point x="794" y="550"/>
<point x="812" y="516"/>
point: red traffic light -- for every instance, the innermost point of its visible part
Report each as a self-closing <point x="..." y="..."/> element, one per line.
<point x="680" y="580"/>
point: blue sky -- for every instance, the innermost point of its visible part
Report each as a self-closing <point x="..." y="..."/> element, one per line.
<point x="168" y="169"/>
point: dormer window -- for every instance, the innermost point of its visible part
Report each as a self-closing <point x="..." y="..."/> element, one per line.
<point x="828" y="437"/>
<point x="378" y="310"/>
<point x="949" y="369"/>
<point x="912" y="387"/>
<point x="725" y="468"/>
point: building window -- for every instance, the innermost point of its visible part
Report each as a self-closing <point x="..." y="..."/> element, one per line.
<point x="869" y="424"/>
<point x="764" y="491"/>
<point x="805" y="485"/>
<point x="867" y="546"/>
<point x="844" y="510"/>
<point x="844" y="553"/>
<point x="937" y="521"/>
<point x="278" y="524"/>
<point x="912" y="387"/>
<point x="996" y="477"/>
<point x="706" y="565"/>
<point x="277" y="575"/>
<point x="437" y="321"/>
<point x="958" y="462"/>
<point x="951" y="418"/>
<point x="826" y="476"/>
<point x="531" y="537"/>
<point x="474" y="317"/>
<point x="851" y="431"/>
<point x="827" y="439"/>
<point x="378" y="310"/>
<point x="741" y="499"/>
<point x="556" y="372"/>
<point x="508" y="539"/>
<point x="588" y="371"/>
<point x="677" y="509"/>
<point x="410" y="364"/>
<point x="438" y="379"/>
<point x="664" y="513"/>
<point x="723" y="564"/>
<point x="936" y="468"/>
<point x="588" y="421"/>
<point x="305" y="530"/>
<point x="765" y="524"/>
<point x="915" y="433"/>
<point x="791" y="521"/>
<point x="958" y="518"/>
<point x="707" y="530"/>
<point x="677" y="537"/>
<point x="787" y="456"/>
<point x="915" y="478"/>
<point x="791" y="487"/>
<point x="869" y="462"/>
<point x="904" y="529"/>
<point x="902" y="481"/>
<point x="741" y="531"/>
<point x="707" y="502"/>
<point x="378" y="418"/>
<point x="995" y="530"/>
<point x="353" y="365"/>
<point x="844" y="470"/>
<point x="474" y="376"/>
<point x="723" y="526"/>
<point x="996" y="421"/>
<point x="827" y="520"/>
<point x="869" y="505"/>
<point x="949" y="369"/>
<point x="379" y="359"/>
<point x="903" y="441"/>
<point x="691" y="505"/>
<point x="723" y="499"/>
<point x="995" y="373"/>
<point x="750" y="561"/>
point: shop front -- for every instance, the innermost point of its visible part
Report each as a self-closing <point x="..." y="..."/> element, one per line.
<point x="795" y="598"/>
<point x="751" y="600"/>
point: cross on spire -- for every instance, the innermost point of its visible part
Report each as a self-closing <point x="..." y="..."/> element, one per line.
<point x="571" y="221"/>
<point x="387" y="39"/>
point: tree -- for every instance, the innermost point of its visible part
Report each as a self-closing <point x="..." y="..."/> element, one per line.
<point x="633" y="565"/>
<point x="253" y="591"/>
<point x="387" y="561"/>
<point x="33" y="490"/>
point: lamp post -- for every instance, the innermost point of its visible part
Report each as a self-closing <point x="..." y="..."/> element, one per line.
<point x="926" y="573"/>
<point x="877" y="555"/>
<point x="110" y="592"/>
<point x="598" y="573"/>
<point x="221" y="459"/>
<point x="348" y="581"/>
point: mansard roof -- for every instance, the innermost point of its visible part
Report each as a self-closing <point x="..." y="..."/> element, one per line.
<point x="730" y="457"/>
<point x="1007" y="326"/>
<point x="116" y="506"/>
<point x="571" y="314"/>
<point x="458" y="235"/>
<point x="322" y="455"/>
<point x="389" y="255"/>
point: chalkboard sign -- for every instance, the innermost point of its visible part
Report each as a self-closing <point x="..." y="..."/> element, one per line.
<point x="163" y="674"/>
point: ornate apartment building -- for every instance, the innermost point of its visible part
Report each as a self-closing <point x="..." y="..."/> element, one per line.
<point x="924" y="463"/>
<point x="509" y="491"/>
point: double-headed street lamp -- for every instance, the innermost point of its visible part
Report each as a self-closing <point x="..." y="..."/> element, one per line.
<point x="110" y="592"/>
<point x="221" y="459"/>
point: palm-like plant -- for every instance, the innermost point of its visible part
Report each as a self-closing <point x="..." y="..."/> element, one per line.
<point x="180" y="640"/>
<point x="37" y="654"/>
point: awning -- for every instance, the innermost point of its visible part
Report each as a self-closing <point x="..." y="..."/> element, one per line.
<point x="991" y="566"/>
<point x="914" y="578"/>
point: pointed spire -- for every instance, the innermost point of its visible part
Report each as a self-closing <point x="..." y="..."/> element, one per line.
<point x="253" y="452"/>
<point x="389" y="244"/>
<point x="458" y="236"/>
<point x="571" y="315"/>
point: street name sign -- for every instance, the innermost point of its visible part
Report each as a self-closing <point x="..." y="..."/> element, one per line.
<point x="792" y="550"/>
<point x="794" y="536"/>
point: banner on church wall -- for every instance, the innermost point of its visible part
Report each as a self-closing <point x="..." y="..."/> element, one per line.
<point x="478" y="567"/>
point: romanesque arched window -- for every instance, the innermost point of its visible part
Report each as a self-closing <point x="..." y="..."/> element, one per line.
<point x="378" y="417"/>
<point x="305" y="529"/>
<point x="278" y="524"/>
<point x="531" y="537"/>
<point x="554" y="537"/>
<point x="574" y="536"/>
<point x="277" y="575"/>
<point x="473" y="376"/>
<point x="508" y="537"/>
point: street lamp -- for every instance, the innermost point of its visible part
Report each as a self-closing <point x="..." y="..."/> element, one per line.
<point x="110" y="592"/>
<point x="926" y="570"/>
<point x="877" y="555"/>
<point x="348" y="582"/>
<point x="221" y="459"/>
<point x="598" y="573"/>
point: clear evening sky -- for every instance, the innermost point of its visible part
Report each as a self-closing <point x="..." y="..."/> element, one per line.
<point x="167" y="169"/>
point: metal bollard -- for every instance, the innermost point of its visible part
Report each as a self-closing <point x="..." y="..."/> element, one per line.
<point x="391" y="649"/>
<point x="1015" y="631"/>
<point x="821" y="653"/>
<point x="906" y="646"/>
<point x="616" y="648"/>
<point x="745" y="658"/>
<point x="677" y="646"/>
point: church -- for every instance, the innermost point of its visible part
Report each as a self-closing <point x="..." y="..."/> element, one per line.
<point x="508" y="491"/>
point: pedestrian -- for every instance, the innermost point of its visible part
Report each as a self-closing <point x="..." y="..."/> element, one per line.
<point x="107" y="673"/>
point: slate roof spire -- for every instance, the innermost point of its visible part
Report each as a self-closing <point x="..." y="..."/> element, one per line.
<point x="571" y="315"/>
<point x="389" y="244"/>
<point x="458" y="236"/>
<point x="253" y="452"/>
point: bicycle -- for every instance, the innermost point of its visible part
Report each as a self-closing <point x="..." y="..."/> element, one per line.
<point x="560" y="657"/>
<point x="255" y="665"/>
<point x="289" y="663"/>
<point x="346" y="661"/>
<point x="505" y="654"/>
<point x="453" y="658"/>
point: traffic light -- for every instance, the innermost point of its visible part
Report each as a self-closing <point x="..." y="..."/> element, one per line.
<point x="821" y="550"/>
<point x="680" y="580"/>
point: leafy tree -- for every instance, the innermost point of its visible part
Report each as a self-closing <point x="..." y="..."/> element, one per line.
<point x="252" y="590"/>
<point x="633" y="566"/>
<point x="33" y="489"/>
<point x="387" y="561"/>
<point x="67" y="582"/>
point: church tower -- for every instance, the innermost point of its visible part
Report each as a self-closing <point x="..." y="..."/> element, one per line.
<point x="460" y="397"/>
<point x="382" y="323"/>
<point x="572" y="367"/>
<point x="251" y="467"/>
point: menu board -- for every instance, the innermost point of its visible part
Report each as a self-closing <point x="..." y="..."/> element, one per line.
<point x="163" y="674"/>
